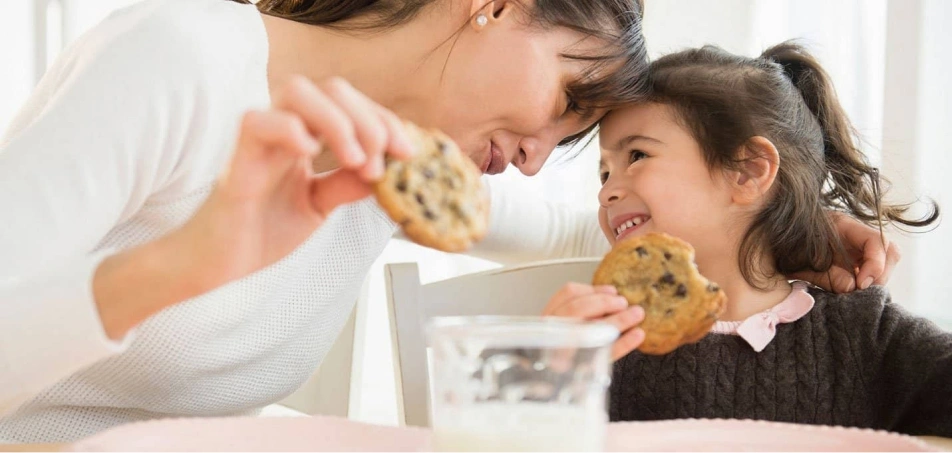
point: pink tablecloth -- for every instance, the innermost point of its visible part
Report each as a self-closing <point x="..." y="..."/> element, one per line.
<point x="335" y="434"/>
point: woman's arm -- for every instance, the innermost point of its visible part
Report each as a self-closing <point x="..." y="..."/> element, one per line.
<point x="525" y="228"/>
<point x="86" y="152"/>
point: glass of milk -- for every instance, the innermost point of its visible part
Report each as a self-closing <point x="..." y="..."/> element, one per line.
<point x="519" y="383"/>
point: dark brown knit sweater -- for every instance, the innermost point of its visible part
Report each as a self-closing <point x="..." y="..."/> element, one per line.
<point x="855" y="360"/>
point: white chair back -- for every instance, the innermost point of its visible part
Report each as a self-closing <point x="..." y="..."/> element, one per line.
<point x="522" y="290"/>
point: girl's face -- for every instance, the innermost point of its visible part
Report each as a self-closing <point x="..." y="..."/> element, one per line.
<point x="655" y="179"/>
<point x="502" y="95"/>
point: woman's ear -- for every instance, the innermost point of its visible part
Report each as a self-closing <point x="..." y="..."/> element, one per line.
<point x="484" y="12"/>
<point x="757" y="171"/>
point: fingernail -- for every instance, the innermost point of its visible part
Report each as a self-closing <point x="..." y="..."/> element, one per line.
<point x="606" y="289"/>
<point x="311" y="145"/>
<point x="621" y="302"/>
<point x="407" y="146"/>
<point x="866" y="283"/>
<point x="356" y="154"/>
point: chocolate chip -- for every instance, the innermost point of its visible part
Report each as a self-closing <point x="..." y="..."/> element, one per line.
<point x="667" y="256"/>
<point x="402" y="186"/>
<point x="712" y="287"/>
<point x="427" y="173"/>
<point x="444" y="148"/>
<point x="419" y="198"/>
<point x="641" y="251"/>
<point x="460" y="211"/>
<point x="429" y="214"/>
<point x="682" y="291"/>
<point x="667" y="278"/>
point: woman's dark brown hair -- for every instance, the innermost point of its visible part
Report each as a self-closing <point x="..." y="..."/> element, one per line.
<point x="785" y="96"/>
<point x="616" y="77"/>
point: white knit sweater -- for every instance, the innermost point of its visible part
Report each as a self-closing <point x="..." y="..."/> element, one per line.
<point x="121" y="143"/>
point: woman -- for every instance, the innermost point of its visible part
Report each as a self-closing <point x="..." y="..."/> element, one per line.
<point x="169" y="250"/>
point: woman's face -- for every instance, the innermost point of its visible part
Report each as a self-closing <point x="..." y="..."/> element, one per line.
<point x="503" y="93"/>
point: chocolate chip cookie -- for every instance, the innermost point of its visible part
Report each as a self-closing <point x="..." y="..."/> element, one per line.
<point x="657" y="271"/>
<point x="436" y="197"/>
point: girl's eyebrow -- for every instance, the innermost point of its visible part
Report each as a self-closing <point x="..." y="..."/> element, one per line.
<point x="627" y="140"/>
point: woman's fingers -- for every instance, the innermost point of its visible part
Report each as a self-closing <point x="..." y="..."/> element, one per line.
<point x="877" y="256"/>
<point x="324" y="119"/>
<point x="370" y="130"/>
<point x="837" y="279"/>
<point x="336" y="189"/>
<point x="265" y="131"/>
<point x="352" y="126"/>
<point x="399" y="146"/>
<point x="262" y="135"/>
<point x="893" y="255"/>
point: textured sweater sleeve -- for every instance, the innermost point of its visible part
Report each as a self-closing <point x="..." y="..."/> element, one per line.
<point x="92" y="143"/>
<point x="525" y="228"/>
<point x="915" y="372"/>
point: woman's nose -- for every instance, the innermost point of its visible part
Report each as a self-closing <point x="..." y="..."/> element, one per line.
<point x="532" y="154"/>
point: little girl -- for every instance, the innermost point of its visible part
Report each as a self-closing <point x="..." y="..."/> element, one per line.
<point x="742" y="157"/>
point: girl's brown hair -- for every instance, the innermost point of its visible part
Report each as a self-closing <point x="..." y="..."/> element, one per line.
<point x="785" y="96"/>
<point x="616" y="77"/>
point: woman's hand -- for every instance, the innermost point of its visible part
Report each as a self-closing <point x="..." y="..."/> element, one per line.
<point x="600" y="303"/>
<point x="267" y="201"/>
<point x="875" y="257"/>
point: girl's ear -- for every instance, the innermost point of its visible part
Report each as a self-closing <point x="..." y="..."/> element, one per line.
<point x="759" y="163"/>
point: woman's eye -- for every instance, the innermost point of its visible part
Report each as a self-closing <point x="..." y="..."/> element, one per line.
<point x="603" y="176"/>
<point x="635" y="156"/>
<point x="571" y="106"/>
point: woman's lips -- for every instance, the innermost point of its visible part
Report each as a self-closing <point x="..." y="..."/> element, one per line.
<point x="496" y="163"/>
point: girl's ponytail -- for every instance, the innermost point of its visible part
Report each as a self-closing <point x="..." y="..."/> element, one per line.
<point x="852" y="184"/>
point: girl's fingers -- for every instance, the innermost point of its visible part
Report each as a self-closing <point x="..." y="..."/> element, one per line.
<point x="591" y="306"/>
<point x="627" y="342"/>
<point x="627" y="319"/>
<point x="573" y="290"/>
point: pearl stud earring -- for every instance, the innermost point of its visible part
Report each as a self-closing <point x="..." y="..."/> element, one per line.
<point x="481" y="20"/>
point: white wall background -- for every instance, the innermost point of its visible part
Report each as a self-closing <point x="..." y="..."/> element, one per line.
<point x="888" y="58"/>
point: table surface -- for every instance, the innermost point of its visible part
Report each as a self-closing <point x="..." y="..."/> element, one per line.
<point x="328" y="433"/>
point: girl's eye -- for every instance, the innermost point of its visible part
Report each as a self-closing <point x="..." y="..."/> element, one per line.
<point x="604" y="177"/>
<point x="635" y="156"/>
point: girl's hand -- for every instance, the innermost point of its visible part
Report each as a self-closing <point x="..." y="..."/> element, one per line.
<point x="874" y="255"/>
<point x="600" y="303"/>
